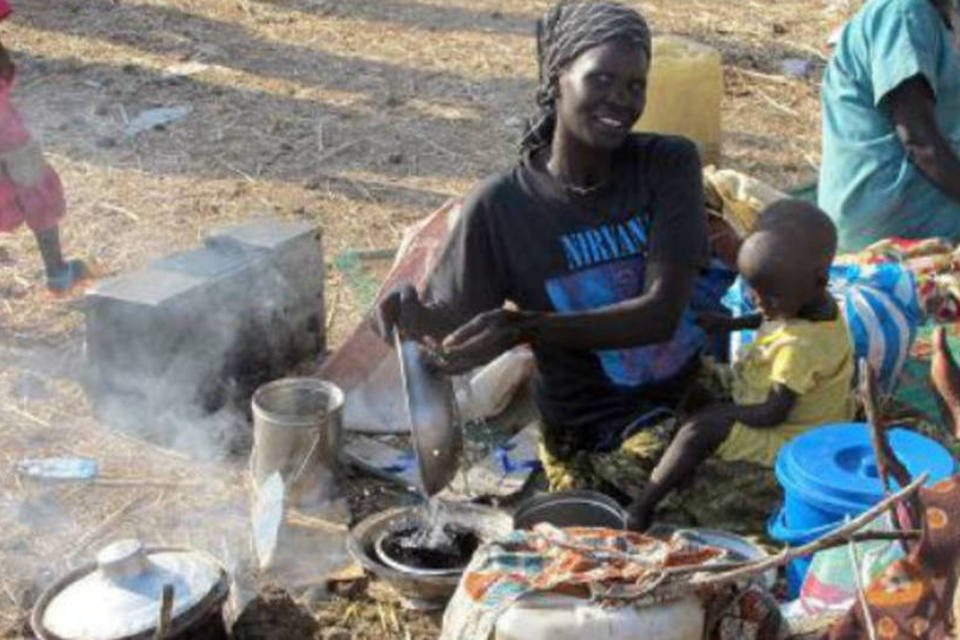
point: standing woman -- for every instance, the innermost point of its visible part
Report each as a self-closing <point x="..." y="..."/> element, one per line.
<point x="596" y="236"/>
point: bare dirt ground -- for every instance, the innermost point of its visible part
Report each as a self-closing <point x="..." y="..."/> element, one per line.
<point x="360" y="115"/>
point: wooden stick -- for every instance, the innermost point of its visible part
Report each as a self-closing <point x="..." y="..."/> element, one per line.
<point x="383" y="618"/>
<point x="142" y="444"/>
<point x="759" y="75"/>
<point x="29" y="416"/>
<point x="326" y="155"/>
<point x="887" y="461"/>
<point x="166" y="609"/>
<point x="120" y="210"/>
<point x="861" y="596"/>
<point x="145" y="482"/>
<point x="779" y="107"/>
<point x="868" y="396"/>
<point x="823" y="542"/>
<point x="860" y="536"/>
<point x="311" y="522"/>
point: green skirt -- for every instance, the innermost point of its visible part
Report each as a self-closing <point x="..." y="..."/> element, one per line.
<point x="734" y="496"/>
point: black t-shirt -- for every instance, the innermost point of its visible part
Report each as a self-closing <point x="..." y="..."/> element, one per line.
<point x="523" y="237"/>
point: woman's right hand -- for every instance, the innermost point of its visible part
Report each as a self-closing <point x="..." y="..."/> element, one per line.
<point x="400" y="309"/>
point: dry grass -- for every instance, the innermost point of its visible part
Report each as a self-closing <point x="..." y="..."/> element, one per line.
<point x="361" y="115"/>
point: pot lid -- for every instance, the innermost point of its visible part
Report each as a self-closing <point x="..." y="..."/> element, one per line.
<point x="121" y="595"/>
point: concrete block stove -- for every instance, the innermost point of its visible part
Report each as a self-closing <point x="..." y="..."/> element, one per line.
<point x="199" y="329"/>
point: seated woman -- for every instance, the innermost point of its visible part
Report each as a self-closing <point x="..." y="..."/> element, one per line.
<point x="891" y="124"/>
<point x="596" y="235"/>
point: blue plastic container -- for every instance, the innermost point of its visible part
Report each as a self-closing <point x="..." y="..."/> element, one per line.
<point x="830" y="472"/>
<point x="797" y="568"/>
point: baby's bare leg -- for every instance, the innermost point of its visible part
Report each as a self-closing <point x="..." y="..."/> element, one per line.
<point x="693" y="444"/>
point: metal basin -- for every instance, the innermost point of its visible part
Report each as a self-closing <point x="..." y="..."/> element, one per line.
<point x="379" y="546"/>
<point x="417" y="589"/>
<point x="571" y="509"/>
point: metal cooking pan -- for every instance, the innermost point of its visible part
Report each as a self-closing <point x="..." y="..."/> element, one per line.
<point x="437" y="439"/>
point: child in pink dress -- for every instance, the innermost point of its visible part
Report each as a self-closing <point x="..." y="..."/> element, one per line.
<point x="30" y="190"/>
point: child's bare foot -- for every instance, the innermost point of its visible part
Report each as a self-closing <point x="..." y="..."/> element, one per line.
<point x="946" y="379"/>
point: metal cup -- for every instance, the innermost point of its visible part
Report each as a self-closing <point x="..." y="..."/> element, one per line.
<point x="297" y="430"/>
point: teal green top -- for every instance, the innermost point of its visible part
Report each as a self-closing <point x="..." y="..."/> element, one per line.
<point x="868" y="185"/>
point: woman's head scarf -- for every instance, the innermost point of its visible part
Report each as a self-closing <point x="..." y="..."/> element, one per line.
<point x="566" y="31"/>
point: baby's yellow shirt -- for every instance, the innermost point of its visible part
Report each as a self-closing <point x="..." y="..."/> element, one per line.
<point x="812" y="359"/>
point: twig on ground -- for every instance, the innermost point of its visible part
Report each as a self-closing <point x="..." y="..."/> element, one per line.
<point x="436" y="145"/>
<point x="776" y="105"/>
<point x="311" y="522"/>
<point x="145" y="482"/>
<point x="383" y="617"/>
<point x="759" y="75"/>
<point x="806" y="47"/>
<point x="362" y="190"/>
<point x="86" y="539"/>
<point x="143" y="444"/>
<point x="243" y="174"/>
<point x="120" y="210"/>
<point x="395" y="623"/>
<point x="350" y="612"/>
<point x="326" y="155"/>
<point x="334" y="306"/>
<point x="9" y="592"/>
<point x="29" y="416"/>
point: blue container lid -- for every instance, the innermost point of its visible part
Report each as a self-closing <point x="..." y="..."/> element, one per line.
<point x="833" y="467"/>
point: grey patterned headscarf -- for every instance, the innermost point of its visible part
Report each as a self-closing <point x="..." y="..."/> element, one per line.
<point x="566" y="31"/>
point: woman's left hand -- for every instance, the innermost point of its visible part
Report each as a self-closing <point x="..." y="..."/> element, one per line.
<point x="482" y="339"/>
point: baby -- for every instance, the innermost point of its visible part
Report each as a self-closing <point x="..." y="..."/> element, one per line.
<point x="795" y="375"/>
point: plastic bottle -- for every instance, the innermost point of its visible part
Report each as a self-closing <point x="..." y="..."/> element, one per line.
<point x="684" y="91"/>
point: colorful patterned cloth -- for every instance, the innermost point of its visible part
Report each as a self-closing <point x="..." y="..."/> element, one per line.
<point x="604" y="566"/>
<point x="935" y="265"/>
<point x="913" y="598"/>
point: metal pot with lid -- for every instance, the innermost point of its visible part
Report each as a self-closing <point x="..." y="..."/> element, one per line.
<point x="119" y="596"/>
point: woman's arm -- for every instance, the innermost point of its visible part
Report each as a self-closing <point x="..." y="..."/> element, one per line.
<point x="647" y="319"/>
<point x="912" y="108"/>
